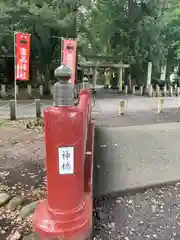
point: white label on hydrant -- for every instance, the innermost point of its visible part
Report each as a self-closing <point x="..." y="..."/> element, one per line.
<point x="66" y="160"/>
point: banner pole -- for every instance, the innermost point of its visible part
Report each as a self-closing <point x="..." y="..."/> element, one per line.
<point x="62" y="40"/>
<point x="15" y="88"/>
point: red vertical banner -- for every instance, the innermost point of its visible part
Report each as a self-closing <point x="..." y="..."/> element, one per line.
<point x="22" y="56"/>
<point x="69" y="55"/>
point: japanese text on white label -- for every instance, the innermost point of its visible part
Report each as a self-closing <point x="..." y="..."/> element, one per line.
<point x="66" y="160"/>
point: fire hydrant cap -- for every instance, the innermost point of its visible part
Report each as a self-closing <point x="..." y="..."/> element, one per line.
<point x="63" y="71"/>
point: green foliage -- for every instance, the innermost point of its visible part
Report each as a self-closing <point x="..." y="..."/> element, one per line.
<point x="174" y="28"/>
<point x="132" y="31"/>
<point x="47" y="21"/>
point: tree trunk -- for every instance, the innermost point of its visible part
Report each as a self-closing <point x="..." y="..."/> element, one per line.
<point x="46" y="79"/>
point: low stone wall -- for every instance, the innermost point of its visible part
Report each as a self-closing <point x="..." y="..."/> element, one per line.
<point x="133" y="157"/>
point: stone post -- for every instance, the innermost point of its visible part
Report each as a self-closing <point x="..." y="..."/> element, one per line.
<point x="157" y="91"/>
<point x="29" y="90"/>
<point x="150" y="90"/>
<point x="121" y="109"/>
<point x="160" y="105"/>
<point x="120" y="80"/>
<point x="141" y="90"/>
<point x="170" y="91"/>
<point x="3" y="91"/>
<point x="38" y="108"/>
<point x="41" y="92"/>
<point x="126" y="90"/>
<point x="12" y="110"/>
<point x="149" y="74"/>
<point x="165" y="90"/>
<point x="134" y="90"/>
<point x="177" y="91"/>
<point x="94" y="78"/>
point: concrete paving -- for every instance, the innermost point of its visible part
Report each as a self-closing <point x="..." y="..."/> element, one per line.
<point x="134" y="103"/>
<point x="25" y="108"/>
<point x="105" y="103"/>
<point x="149" y="215"/>
<point x="136" y="157"/>
<point x="136" y="150"/>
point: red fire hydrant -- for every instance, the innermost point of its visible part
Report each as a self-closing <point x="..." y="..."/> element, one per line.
<point x="69" y="140"/>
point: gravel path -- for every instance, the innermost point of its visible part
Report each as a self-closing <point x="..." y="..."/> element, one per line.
<point x="106" y="103"/>
<point x="153" y="214"/>
<point x="137" y="118"/>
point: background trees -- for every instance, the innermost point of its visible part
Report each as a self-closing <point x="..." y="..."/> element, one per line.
<point x="135" y="32"/>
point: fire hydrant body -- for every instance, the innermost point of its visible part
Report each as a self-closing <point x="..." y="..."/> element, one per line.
<point x="69" y="134"/>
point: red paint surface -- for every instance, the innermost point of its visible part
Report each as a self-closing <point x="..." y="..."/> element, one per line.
<point x="69" y="56"/>
<point x="68" y="209"/>
<point x="22" y="51"/>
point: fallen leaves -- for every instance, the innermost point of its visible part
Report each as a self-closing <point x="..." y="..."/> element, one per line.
<point x="21" y="180"/>
<point x="36" y="125"/>
<point x="16" y="236"/>
<point x="18" y="215"/>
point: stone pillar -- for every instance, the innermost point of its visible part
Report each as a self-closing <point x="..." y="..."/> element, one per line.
<point x="157" y="91"/>
<point x="120" y="79"/>
<point x="134" y="90"/>
<point x="150" y="90"/>
<point x="149" y="74"/>
<point x="121" y="109"/>
<point x="29" y="90"/>
<point x="165" y="90"/>
<point x="3" y="91"/>
<point x="126" y="90"/>
<point x="38" y="108"/>
<point x="177" y="91"/>
<point x="94" y="78"/>
<point x="160" y="105"/>
<point x="141" y="90"/>
<point x="12" y="110"/>
<point x="170" y="91"/>
<point x="41" y="90"/>
<point x="163" y="73"/>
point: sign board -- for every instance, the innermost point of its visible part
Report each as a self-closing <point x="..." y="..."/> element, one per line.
<point x="66" y="160"/>
<point x="22" y="55"/>
<point x="69" y="55"/>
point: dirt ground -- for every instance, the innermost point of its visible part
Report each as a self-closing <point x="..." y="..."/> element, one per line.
<point x="153" y="214"/>
<point x="21" y="169"/>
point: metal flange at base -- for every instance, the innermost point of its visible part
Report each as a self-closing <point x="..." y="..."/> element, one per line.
<point x="56" y="226"/>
